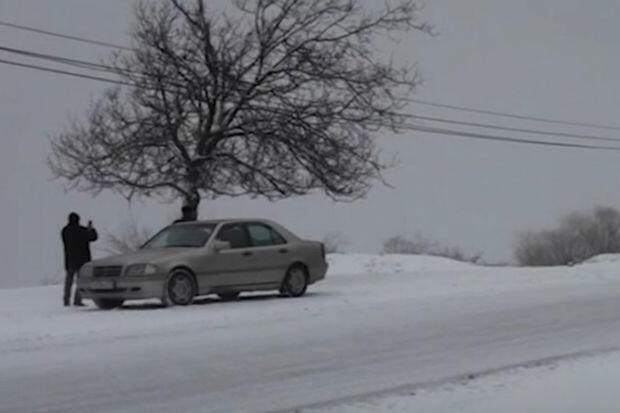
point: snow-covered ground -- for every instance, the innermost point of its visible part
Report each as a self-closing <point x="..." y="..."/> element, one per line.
<point x="586" y="383"/>
<point x="381" y="333"/>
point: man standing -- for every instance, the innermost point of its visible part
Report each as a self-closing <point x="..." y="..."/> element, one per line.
<point x="76" y="240"/>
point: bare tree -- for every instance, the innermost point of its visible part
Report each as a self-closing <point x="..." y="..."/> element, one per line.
<point x="275" y="98"/>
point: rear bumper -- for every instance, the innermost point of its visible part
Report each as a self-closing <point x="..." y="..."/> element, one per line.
<point x="318" y="272"/>
<point x="133" y="288"/>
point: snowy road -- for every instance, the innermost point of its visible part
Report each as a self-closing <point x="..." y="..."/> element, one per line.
<point x="391" y="325"/>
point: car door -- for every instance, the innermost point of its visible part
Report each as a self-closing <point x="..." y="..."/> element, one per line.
<point x="232" y="268"/>
<point x="272" y="254"/>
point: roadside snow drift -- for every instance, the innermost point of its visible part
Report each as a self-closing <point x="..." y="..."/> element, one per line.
<point x="376" y="325"/>
<point x="389" y="263"/>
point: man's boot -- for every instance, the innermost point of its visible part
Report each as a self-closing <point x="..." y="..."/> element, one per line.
<point x="77" y="300"/>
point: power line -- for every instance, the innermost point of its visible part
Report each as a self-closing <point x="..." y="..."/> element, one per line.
<point x="83" y="64"/>
<point x="512" y="129"/>
<point x="109" y="69"/>
<point x="511" y="115"/>
<point x="63" y="72"/>
<point x="60" y="59"/>
<point x="63" y="36"/>
<point x="505" y="139"/>
<point x="418" y="101"/>
<point x="419" y="128"/>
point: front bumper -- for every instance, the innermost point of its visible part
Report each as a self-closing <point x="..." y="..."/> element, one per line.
<point x="125" y="288"/>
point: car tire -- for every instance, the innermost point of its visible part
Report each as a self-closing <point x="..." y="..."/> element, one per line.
<point x="180" y="289"/>
<point x="108" y="303"/>
<point x="228" y="296"/>
<point x="295" y="282"/>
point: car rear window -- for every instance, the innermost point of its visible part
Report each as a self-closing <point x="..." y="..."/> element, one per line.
<point x="262" y="235"/>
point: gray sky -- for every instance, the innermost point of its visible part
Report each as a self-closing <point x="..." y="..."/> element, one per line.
<point x="552" y="58"/>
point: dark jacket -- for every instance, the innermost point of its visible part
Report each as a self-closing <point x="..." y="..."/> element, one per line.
<point x="76" y="240"/>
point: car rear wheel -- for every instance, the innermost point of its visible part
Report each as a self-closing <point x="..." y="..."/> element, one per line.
<point x="108" y="303"/>
<point x="228" y="296"/>
<point x="296" y="282"/>
<point x="180" y="288"/>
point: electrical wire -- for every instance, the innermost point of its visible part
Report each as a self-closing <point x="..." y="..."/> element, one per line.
<point x="64" y="72"/>
<point x="505" y="139"/>
<point x="59" y="59"/>
<point x="420" y="128"/>
<point x="82" y="64"/>
<point x="513" y="129"/>
<point x="411" y="100"/>
<point x="63" y="36"/>
<point x="511" y="115"/>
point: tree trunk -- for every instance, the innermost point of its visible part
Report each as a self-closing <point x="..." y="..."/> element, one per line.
<point x="189" y="210"/>
<point x="191" y="200"/>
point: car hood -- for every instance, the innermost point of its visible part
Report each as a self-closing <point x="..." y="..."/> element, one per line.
<point x="147" y="256"/>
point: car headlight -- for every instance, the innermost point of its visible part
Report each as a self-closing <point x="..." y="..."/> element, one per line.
<point x="85" y="271"/>
<point x="140" y="269"/>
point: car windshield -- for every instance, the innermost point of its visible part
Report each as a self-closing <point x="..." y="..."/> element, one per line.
<point x="181" y="236"/>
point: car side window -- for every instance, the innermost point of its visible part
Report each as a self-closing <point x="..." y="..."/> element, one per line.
<point x="262" y="235"/>
<point x="236" y="234"/>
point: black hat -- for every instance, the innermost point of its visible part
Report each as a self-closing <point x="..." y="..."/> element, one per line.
<point x="74" y="218"/>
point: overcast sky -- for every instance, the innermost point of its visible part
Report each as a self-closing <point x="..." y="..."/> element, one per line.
<point x="552" y="58"/>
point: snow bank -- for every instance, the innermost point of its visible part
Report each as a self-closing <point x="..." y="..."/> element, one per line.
<point x="604" y="259"/>
<point x="390" y="263"/>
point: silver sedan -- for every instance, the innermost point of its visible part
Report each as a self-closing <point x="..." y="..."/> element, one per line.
<point x="223" y="257"/>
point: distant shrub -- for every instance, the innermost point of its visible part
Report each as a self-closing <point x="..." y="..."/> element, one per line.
<point x="422" y="246"/>
<point x="578" y="237"/>
<point x="401" y="245"/>
<point x="334" y="242"/>
<point x="128" y="238"/>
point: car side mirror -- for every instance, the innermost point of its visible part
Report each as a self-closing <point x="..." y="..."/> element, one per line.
<point x="221" y="245"/>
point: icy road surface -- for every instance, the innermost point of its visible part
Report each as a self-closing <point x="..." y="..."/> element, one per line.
<point x="375" y="324"/>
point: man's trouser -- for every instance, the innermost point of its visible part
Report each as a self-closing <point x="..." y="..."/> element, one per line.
<point x="77" y="299"/>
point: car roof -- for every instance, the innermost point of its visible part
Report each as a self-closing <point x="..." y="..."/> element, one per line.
<point x="222" y="220"/>
<point x="281" y="229"/>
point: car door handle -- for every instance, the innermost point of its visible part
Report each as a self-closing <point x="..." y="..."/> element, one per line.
<point x="283" y="251"/>
<point x="247" y="254"/>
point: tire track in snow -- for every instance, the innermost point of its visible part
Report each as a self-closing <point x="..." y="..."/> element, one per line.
<point x="458" y="379"/>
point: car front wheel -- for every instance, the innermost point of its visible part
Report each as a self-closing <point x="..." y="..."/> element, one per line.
<point x="295" y="282"/>
<point x="180" y="288"/>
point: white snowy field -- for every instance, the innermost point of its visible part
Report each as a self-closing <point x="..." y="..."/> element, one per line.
<point x="381" y="333"/>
